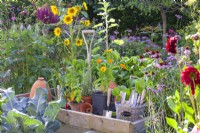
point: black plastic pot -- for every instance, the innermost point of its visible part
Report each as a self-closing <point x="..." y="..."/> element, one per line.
<point x="99" y="103"/>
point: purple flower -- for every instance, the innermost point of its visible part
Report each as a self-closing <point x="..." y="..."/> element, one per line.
<point x="24" y="13"/>
<point x="112" y="37"/>
<point x="13" y="18"/>
<point x="178" y="16"/>
<point x="144" y="37"/>
<point x="129" y="30"/>
<point x="116" y="32"/>
<point x="45" y="15"/>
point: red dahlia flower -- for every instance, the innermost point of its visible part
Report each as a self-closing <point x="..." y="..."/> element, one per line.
<point x="190" y="76"/>
<point x="171" y="45"/>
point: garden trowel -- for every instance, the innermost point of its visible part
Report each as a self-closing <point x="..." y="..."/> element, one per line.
<point x="107" y="113"/>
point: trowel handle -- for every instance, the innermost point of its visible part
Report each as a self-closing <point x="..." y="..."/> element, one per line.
<point x="108" y="96"/>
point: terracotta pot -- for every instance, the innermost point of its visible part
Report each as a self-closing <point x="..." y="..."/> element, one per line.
<point x="86" y="107"/>
<point x="40" y="83"/>
<point x="87" y="99"/>
<point x="76" y="106"/>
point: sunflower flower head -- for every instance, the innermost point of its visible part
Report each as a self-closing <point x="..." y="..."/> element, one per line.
<point x="72" y="11"/>
<point x="103" y="69"/>
<point x="78" y="8"/>
<point x="68" y="19"/>
<point x="99" y="61"/>
<point x="108" y="50"/>
<point x="79" y="42"/>
<point x="85" y="6"/>
<point x="87" y="22"/>
<point x="123" y="66"/>
<point x="54" y="10"/>
<point x="66" y="42"/>
<point x="57" y="31"/>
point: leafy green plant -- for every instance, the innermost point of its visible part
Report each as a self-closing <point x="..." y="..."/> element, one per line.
<point x="29" y="115"/>
<point x="107" y="23"/>
<point x="116" y="92"/>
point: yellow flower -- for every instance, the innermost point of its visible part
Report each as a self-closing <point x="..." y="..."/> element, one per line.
<point x="99" y="61"/>
<point x="87" y="22"/>
<point x="79" y="42"/>
<point x="72" y="11"/>
<point x="123" y="66"/>
<point x="78" y="8"/>
<point x="68" y="19"/>
<point x="57" y="31"/>
<point x="66" y="42"/>
<point x="85" y="6"/>
<point x="110" y="61"/>
<point x="54" y="10"/>
<point x="103" y="69"/>
<point x="108" y="50"/>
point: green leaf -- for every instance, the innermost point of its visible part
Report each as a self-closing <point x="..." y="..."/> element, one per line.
<point x="85" y="14"/>
<point x="172" y="122"/>
<point x="119" y="42"/>
<point x="177" y="95"/>
<point x="112" y="20"/>
<point x="172" y="105"/>
<point x="112" y="25"/>
<point x="52" y="110"/>
<point x="140" y="85"/>
<point x="97" y="25"/>
<point x="188" y="113"/>
<point x="197" y="95"/>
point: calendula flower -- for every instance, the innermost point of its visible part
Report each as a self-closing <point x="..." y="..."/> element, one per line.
<point x="103" y="69"/>
<point x="122" y="66"/>
<point x="190" y="76"/>
<point x="57" y="31"/>
<point x="54" y="10"/>
<point x="110" y="61"/>
<point x="68" y="19"/>
<point x="72" y="11"/>
<point x="85" y="6"/>
<point x="87" y="22"/>
<point x="66" y="42"/>
<point x="108" y="50"/>
<point x="79" y="42"/>
<point x="99" y="61"/>
<point x="78" y="8"/>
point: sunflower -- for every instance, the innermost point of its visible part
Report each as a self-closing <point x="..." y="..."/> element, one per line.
<point x="123" y="66"/>
<point x="87" y="22"/>
<point x="68" y="19"/>
<point x="54" y="10"/>
<point x="72" y="11"/>
<point x="99" y="61"/>
<point x="57" y="31"/>
<point x="78" y="8"/>
<point x="85" y="6"/>
<point x="108" y="50"/>
<point x="66" y="42"/>
<point x="103" y="69"/>
<point x="79" y="42"/>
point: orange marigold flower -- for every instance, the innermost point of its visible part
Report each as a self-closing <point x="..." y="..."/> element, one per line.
<point x="103" y="69"/>
<point x="99" y="61"/>
<point x="110" y="61"/>
<point x="123" y="66"/>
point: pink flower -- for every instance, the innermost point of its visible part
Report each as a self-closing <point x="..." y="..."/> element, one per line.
<point x="196" y="129"/>
<point x="190" y="76"/>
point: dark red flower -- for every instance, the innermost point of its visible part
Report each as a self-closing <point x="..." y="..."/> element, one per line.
<point x="45" y="15"/>
<point x="171" y="45"/>
<point x="190" y="76"/>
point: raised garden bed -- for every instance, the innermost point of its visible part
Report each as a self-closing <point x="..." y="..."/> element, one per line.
<point x="84" y="122"/>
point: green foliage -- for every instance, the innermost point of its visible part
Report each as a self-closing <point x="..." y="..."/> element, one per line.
<point x="107" y="22"/>
<point x="29" y="115"/>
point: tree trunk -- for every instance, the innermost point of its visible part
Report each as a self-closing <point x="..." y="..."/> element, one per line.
<point x="164" y="24"/>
